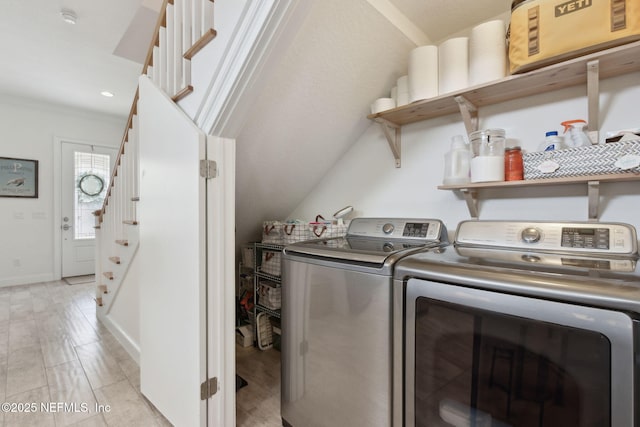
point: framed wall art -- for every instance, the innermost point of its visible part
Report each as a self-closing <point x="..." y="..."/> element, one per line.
<point x="18" y="177"/>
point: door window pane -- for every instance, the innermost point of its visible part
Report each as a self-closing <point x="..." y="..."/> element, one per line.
<point x="506" y="370"/>
<point x="92" y="173"/>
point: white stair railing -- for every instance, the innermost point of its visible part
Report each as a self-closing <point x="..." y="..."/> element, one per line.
<point x="184" y="27"/>
<point x="188" y="27"/>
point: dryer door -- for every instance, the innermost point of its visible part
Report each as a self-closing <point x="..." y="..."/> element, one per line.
<point x="480" y="358"/>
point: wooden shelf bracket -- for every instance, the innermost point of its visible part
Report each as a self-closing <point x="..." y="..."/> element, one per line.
<point x="593" y="191"/>
<point x="593" y="96"/>
<point x="471" y="197"/>
<point x="392" y="132"/>
<point x="469" y="113"/>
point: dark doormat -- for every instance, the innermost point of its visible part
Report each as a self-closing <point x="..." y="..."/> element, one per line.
<point x="240" y="382"/>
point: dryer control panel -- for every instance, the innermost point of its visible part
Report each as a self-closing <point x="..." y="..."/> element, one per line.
<point x="571" y="237"/>
<point x="413" y="229"/>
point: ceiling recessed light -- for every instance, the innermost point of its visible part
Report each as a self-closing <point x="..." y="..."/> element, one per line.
<point x="69" y="16"/>
<point x="106" y="93"/>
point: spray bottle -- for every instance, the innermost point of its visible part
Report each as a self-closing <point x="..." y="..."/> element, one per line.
<point x="576" y="136"/>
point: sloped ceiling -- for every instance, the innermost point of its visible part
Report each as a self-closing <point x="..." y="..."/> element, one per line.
<point x="346" y="54"/>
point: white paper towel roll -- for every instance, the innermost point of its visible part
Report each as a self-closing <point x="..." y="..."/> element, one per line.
<point x="402" y="97"/>
<point x="487" y="52"/>
<point x="453" y="65"/>
<point x="423" y="73"/>
<point x="382" y="104"/>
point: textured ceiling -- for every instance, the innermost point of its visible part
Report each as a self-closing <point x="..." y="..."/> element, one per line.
<point x="441" y="18"/>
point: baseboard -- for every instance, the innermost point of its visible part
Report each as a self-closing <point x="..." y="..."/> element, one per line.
<point x="27" y="280"/>
<point x="123" y="338"/>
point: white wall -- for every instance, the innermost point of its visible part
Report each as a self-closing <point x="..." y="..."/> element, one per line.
<point x="366" y="177"/>
<point x="27" y="130"/>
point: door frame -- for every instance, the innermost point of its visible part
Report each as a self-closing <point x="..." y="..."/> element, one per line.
<point x="57" y="194"/>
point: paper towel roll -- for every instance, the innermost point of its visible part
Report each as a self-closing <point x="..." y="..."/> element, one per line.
<point x="382" y="104"/>
<point x="487" y="52"/>
<point x="453" y="65"/>
<point x="402" y="98"/>
<point x="423" y="73"/>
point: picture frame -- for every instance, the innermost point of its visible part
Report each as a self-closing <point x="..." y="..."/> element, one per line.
<point x="18" y="177"/>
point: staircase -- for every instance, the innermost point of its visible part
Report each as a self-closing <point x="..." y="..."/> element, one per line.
<point x="184" y="27"/>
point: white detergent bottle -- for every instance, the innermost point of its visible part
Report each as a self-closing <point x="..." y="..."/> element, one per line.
<point x="457" y="162"/>
<point x="576" y="135"/>
<point x="551" y="142"/>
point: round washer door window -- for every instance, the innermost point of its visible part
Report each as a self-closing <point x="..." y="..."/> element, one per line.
<point x="91" y="185"/>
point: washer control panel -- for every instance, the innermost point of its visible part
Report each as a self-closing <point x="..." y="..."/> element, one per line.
<point x="585" y="237"/>
<point x="427" y="230"/>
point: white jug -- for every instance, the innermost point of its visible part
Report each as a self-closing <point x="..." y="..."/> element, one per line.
<point x="457" y="162"/>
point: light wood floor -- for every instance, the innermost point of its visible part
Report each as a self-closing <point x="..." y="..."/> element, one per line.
<point x="54" y="350"/>
<point x="258" y="403"/>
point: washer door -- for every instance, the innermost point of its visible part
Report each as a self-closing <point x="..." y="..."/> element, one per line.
<point x="481" y="358"/>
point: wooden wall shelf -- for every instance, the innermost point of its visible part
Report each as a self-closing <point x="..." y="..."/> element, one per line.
<point x="470" y="191"/>
<point x="586" y="69"/>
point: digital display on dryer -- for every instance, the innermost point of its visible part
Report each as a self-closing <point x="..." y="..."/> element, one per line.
<point x="586" y="238"/>
<point x="415" y="229"/>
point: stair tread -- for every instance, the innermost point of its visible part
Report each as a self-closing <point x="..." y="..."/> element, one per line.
<point x="200" y="43"/>
<point x="123" y="242"/>
<point x="130" y="222"/>
<point x="114" y="259"/>
<point x="108" y="275"/>
<point x="103" y="289"/>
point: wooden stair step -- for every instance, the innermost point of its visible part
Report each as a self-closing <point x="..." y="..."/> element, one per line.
<point x="103" y="289"/>
<point x="182" y="93"/>
<point x="114" y="259"/>
<point x="130" y="222"/>
<point x="108" y="275"/>
<point x="200" y="43"/>
<point x="122" y="242"/>
<point x="99" y="301"/>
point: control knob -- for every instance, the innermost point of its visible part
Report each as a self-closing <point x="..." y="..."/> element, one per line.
<point x="387" y="228"/>
<point x="531" y="235"/>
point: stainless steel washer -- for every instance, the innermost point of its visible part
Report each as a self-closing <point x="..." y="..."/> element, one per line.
<point x="337" y="328"/>
<point x="522" y="324"/>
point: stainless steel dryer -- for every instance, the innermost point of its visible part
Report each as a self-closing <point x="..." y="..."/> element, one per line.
<point x="522" y="324"/>
<point x="337" y="330"/>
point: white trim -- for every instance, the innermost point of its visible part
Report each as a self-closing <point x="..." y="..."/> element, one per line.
<point x="27" y="280"/>
<point x="57" y="192"/>
<point x="228" y="96"/>
<point x="400" y="21"/>
<point x="221" y="271"/>
<point x="123" y="338"/>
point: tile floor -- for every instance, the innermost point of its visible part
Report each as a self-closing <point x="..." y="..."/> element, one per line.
<point x="258" y="403"/>
<point x="54" y="351"/>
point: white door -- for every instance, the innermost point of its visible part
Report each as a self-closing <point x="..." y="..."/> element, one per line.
<point x="172" y="259"/>
<point x="86" y="170"/>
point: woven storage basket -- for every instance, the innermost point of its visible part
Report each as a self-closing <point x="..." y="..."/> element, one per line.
<point x="580" y="161"/>
<point x="271" y="262"/>
<point x="248" y="258"/>
<point x="296" y="232"/>
<point x="269" y="295"/>
<point x="272" y="232"/>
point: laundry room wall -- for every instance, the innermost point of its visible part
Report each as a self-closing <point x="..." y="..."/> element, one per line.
<point x="27" y="131"/>
<point x="366" y="178"/>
